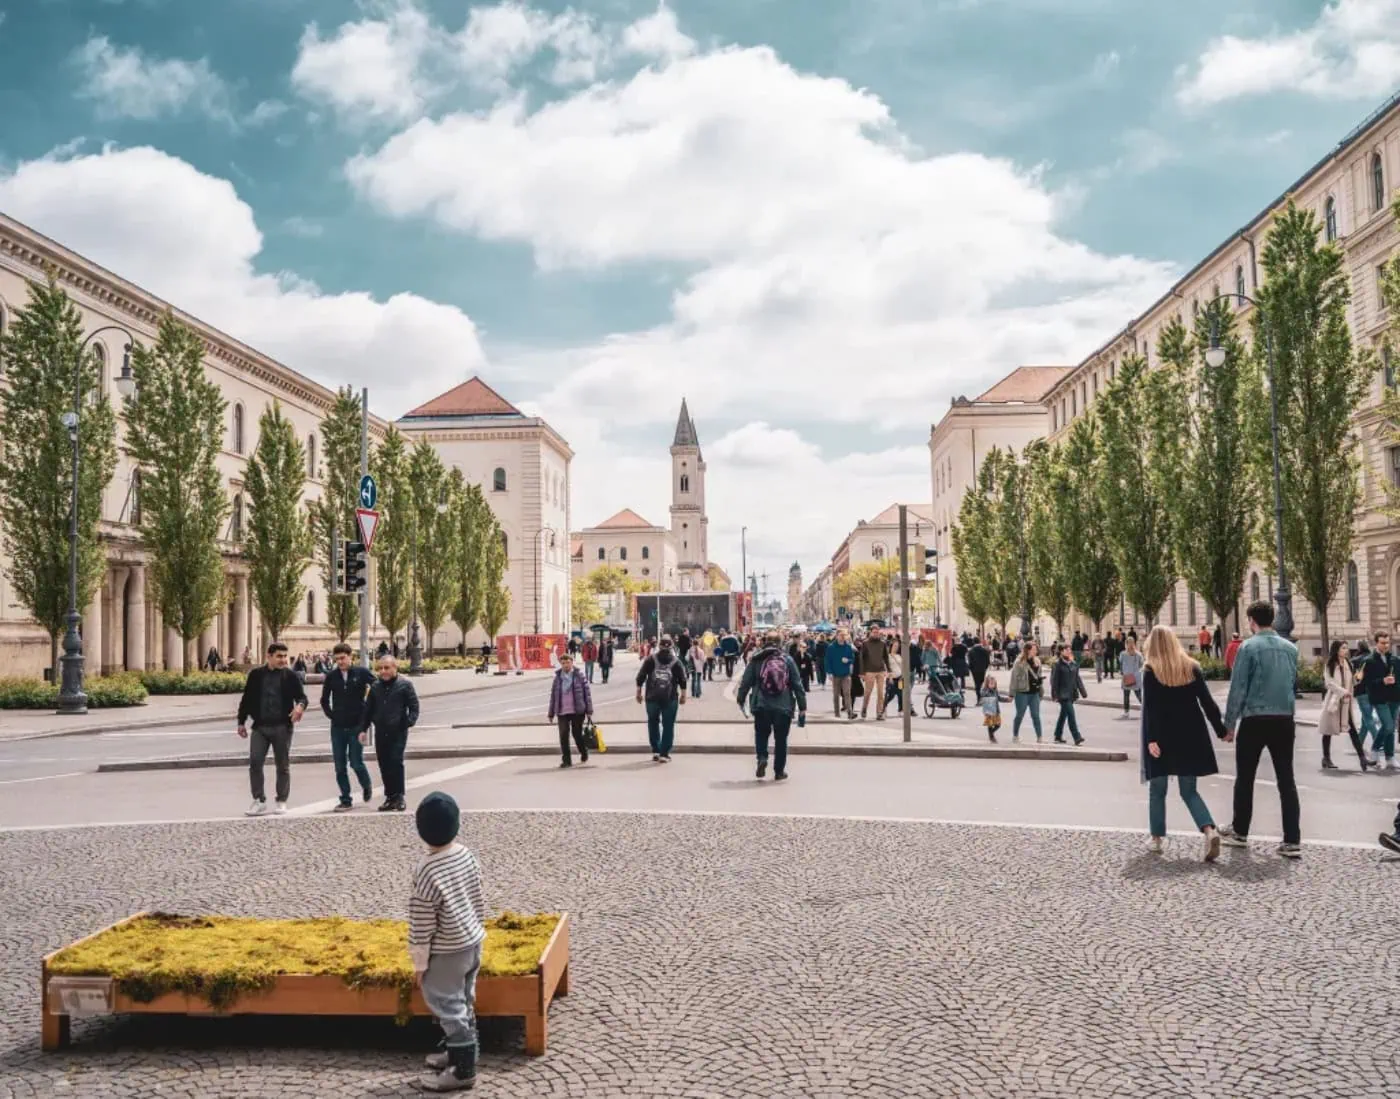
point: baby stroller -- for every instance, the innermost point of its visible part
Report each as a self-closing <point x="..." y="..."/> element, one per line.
<point x="943" y="690"/>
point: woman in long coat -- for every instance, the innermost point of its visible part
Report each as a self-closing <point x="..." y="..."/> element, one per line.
<point x="1178" y="714"/>
<point x="1336" y="707"/>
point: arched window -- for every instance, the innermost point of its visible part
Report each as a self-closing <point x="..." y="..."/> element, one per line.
<point x="1387" y="367"/>
<point x="685" y="482"/>
<point x="136" y="498"/>
<point x="878" y="553"/>
<point x="1353" y="593"/>
<point x="1329" y="218"/>
<point x="622" y="553"/>
<point x="311" y="608"/>
<point x="311" y="456"/>
<point x="498" y="480"/>
<point x="602" y="554"/>
<point x="1190" y="608"/>
<point x="646" y="572"/>
<point x="235" y="526"/>
<point x="1254" y="587"/>
<point x="238" y="429"/>
<point x="646" y="553"/>
<point x="1377" y="182"/>
<point x="1073" y="403"/>
<point x="1239" y="285"/>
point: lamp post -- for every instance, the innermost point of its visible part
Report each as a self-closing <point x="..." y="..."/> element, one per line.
<point x="71" y="697"/>
<point x="1215" y="358"/>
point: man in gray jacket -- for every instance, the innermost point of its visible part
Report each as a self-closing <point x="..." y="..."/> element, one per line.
<point x="392" y="708"/>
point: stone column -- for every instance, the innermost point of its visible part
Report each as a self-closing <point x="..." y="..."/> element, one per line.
<point x="239" y="619"/>
<point x="155" y="638"/>
<point x="92" y="632"/>
<point x="136" y="611"/>
<point x="115" y="632"/>
<point x="174" y="646"/>
<point x="207" y="640"/>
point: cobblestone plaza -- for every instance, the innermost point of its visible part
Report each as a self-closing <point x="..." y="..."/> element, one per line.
<point x="764" y="956"/>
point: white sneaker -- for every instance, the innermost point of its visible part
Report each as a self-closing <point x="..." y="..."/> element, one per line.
<point x="279" y="808"/>
<point x="257" y="809"/>
<point x="1154" y="845"/>
<point x="1212" y="845"/>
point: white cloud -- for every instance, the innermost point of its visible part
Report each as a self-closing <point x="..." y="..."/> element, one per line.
<point x="371" y="68"/>
<point x="190" y="239"/>
<point x="299" y="226"/>
<point x="658" y="35"/>
<point x="127" y="83"/>
<point x="1352" y="51"/>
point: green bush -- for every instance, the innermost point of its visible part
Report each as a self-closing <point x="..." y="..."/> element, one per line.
<point x="450" y="663"/>
<point x="103" y="692"/>
<point x="1211" y="666"/>
<point x="196" y="683"/>
<point x="1310" y="675"/>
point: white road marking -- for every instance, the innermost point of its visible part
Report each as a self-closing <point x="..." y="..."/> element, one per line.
<point x="429" y="779"/>
<point x="42" y="778"/>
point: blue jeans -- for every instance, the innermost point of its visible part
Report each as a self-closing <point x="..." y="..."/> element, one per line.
<point x="1157" y="803"/>
<point x="588" y="666"/>
<point x="1027" y="700"/>
<point x="347" y="749"/>
<point x="1066" y="714"/>
<point x="1383" y="743"/>
<point x="697" y="677"/>
<point x="1368" y="716"/>
<point x="777" y="723"/>
<point x="661" y="726"/>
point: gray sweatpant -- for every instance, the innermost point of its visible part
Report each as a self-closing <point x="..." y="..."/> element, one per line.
<point x="449" y="990"/>
<point x="279" y="739"/>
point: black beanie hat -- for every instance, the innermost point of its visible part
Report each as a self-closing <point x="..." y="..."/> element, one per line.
<point x="438" y="819"/>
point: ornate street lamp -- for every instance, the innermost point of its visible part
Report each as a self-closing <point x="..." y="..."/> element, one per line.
<point x="1215" y="358"/>
<point x="71" y="697"/>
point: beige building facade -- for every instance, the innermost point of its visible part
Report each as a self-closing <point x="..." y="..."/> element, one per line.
<point x="630" y="543"/>
<point x="121" y="627"/>
<point x="1350" y="190"/>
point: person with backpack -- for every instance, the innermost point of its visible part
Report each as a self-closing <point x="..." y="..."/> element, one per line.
<point x="773" y="682"/>
<point x="661" y="684"/>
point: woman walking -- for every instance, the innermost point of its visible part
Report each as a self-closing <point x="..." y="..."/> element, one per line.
<point x="1178" y="714"/>
<point x="1336" y="707"/>
<point x="570" y="703"/>
<point x="894" y="686"/>
<point x="1130" y="664"/>
<point x="1026" y="676"/>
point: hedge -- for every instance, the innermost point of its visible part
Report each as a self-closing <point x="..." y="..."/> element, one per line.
<point x="103" y="692"/>
<point x="196" y="683"/>
<point x="450" y="663"/>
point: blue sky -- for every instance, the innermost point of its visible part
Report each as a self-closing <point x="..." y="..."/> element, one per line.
<point x="819" y="219"/>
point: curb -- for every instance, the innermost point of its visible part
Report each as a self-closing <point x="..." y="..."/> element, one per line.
<point x="1310" y="722"/>
<point x="886" y="751"/>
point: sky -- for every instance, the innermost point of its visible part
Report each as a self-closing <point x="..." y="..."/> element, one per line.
<point x="818" y="220"/>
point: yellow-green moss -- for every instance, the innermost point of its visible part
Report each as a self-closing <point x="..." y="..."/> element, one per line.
<point x="220" y="958"/>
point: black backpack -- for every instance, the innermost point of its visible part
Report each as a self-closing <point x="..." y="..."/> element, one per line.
<point x="660" y="683"/>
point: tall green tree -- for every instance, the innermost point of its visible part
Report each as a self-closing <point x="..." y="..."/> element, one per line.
<point x="279" y="542"/>
<point x="1319" y="378"/>
<point x="1204" y="450"/>
<point x="1014" y="535"/>
<point x="1137" y="514"/>
<point x="988" y="582"/>
<point x="1081" y="523"/>
<point x="496" y="601"/>
<point x="334" y="512"/>
<point x="435" y="549"/>
<point x="393" y="542"/>
<point x="42" y="354"/>
<point x="174" y="431"/>
<point x="1049" y="555"/>
<point x="497" y="611"/>
<point x="471" y="523"/>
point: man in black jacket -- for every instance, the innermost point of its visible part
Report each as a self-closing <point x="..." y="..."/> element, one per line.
<point x="392" y="708"/>
<point x="661" y="684"/>
<point x="274" y="700"/>
<point x="979" y="659"/>
<point x="1066" y="686"/>
<point x="343" y="695"/>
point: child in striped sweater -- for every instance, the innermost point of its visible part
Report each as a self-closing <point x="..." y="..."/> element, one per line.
<point x="446" y="914"/>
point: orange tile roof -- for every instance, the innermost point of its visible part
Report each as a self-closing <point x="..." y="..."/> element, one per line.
<point x="890" y="515"/>
<point x="624" y="519"/>
<point x="1025" y="383"/>
<point x="472" y="398"/>
<point x="575" y="547"/>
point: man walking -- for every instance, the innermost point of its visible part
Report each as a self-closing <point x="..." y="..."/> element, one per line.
<point x="1066" y="685"/>
<point x="840" y="664"/>
<point x="874" y="661"/>
<point x="343" y="695"/>
<point x="979" y="659"/>
<point x="607" y="652"/>
<point x="661" y="683"/>
<point x="274" y="700"/>
<point x="819" y="658"/>
<point x="729" y="650"/>
<point x="1261" y="703"/>
<point x="772" y="681"/>
<point x="1380" y="679"/>
<point x="590" y="657"/>
<point x="392" y="709"/>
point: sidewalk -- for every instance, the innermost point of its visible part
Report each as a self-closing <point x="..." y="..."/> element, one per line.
<point x="1109" y="693"/>
<point x="169" y="710"/>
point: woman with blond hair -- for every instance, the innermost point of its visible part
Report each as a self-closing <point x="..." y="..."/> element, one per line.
<point x="1178" y="713"/>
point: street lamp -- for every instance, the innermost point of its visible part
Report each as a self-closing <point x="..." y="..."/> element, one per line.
<point x="71" y="697"/>
<point x="415" y="641"/>
<point x="1215" y="359"/>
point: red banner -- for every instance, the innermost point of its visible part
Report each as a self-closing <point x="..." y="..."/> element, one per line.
<point x="530" y="651"/>
<point x="940" y="639"/>
<point x="743" y="611"/>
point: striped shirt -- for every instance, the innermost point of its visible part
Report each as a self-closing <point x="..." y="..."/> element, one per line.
<point x="446" y="908"/>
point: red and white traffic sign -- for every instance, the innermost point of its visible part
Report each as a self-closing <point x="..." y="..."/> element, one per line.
<point x="368" y="520"/>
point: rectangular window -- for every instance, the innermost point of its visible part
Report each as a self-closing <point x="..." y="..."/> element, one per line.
<point x="1388" y="367"/>
<point x="1073" y="406"/>
<point x="1395" y="466"/>
<point x="1054" y="420"/>
<point x="1381" y="302"/>
<point x="1096" y="384"/>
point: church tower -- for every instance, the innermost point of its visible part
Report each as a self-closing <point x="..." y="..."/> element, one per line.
<point x="794" y="590"/>
<point x="690" y="528"/>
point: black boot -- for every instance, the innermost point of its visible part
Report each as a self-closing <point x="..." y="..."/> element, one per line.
<point x="462" y="1060"/>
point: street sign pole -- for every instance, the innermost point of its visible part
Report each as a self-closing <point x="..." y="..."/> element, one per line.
<point x="364" y="472"/>
<point x="908" y="691"/>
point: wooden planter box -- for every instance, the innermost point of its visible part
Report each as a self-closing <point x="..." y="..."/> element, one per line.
<point x="526" y="997"/>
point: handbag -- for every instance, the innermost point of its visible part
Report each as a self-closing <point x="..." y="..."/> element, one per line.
<point x="593" y="737"/>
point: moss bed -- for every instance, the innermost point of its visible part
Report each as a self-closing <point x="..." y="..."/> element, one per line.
<point x="220" y="958"/>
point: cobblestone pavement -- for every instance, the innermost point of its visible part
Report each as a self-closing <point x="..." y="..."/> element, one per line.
<point x="738" y="957"/>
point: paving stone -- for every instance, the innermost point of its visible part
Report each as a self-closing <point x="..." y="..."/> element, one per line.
<point x="746" y="957"/>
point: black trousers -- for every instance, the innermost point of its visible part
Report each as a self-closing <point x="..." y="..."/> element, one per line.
<point x="571" y="725"/>
<point x="605" y="669"/>
<point x="388" y="747"/>
<point x="977" y="678"/>
<point x="1274" y="734"/>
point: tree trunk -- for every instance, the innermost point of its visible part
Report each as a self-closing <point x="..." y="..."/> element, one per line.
<point x="1326" y="634"/>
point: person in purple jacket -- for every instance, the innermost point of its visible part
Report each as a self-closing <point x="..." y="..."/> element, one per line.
<point x="570" y="701"/>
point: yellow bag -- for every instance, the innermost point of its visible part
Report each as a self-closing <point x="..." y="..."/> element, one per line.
<point x="602" y="744"/>
<point x="593" y="737"/>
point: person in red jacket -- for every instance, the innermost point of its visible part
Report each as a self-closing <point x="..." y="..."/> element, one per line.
<point x="590" y="658"/>
<point x="1231" y="651"/>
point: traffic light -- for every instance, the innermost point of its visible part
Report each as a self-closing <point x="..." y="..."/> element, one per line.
<point x="930" y="563"/>
<point x="356" y="564"/>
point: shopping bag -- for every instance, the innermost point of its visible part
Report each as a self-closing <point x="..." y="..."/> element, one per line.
<point x="593" y="737"/>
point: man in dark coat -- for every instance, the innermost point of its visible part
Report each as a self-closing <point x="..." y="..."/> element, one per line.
<point x="392" y="708"/>
<point x="274" y="700"/>
<point x="979" y="659"/>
